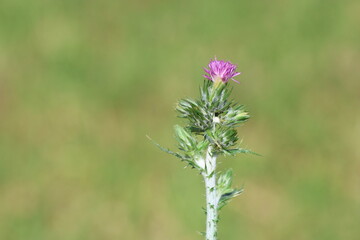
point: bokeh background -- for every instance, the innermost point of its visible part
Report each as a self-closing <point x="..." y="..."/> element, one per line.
<point x="83" y="82"/>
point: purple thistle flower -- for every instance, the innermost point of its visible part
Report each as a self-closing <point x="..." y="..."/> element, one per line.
<point x="221" y="70"/>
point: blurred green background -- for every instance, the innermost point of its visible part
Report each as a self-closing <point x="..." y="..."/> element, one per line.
<point x="83" y="82"/>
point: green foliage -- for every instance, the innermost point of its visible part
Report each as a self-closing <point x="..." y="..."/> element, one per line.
<point x="189" y="144"/>
<point x="241" y="150"/>
<point x="211" y="122"/>
<point x="184" y="158"/>
<point x="224" y="189"/>
<point x="214" y="118"/>
<point x="222" y="138"/>
<point x="213" y="103"/>
<point x="234" y="116"/>
<point x="214" y="97"/>
<point x="199" y="119"/>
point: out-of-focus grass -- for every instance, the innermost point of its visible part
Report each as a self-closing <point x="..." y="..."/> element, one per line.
<point x="83" y="82"/>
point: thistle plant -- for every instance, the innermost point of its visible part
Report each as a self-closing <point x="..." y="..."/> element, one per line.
<point x="210" y="132"/>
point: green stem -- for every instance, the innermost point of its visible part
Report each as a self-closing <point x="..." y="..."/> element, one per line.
<point x="211" y="196"/>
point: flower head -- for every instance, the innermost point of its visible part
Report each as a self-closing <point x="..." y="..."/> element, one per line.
<point x="220" y="70"/>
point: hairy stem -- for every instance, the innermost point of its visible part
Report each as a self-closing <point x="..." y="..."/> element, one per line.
<point x="211" y="196"/>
